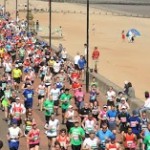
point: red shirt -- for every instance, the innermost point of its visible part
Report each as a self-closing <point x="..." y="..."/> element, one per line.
<point x="95" y="54"/>
<point x="74" y="75"/>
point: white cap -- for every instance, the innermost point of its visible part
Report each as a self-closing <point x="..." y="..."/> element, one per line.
<point x="123" y="107"/>
<point x="70" y="106"/>
<point x="16" y="66"/>
<point x="123" y="99"/>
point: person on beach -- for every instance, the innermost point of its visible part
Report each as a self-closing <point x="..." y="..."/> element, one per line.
<point x="123" y="35"/>
<point x="95" y="58"/>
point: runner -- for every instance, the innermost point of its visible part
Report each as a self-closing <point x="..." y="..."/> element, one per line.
<point x="91" y="143"/>
<point x="65" y="99"/>
<point x="16" y="74"/>
<point x="28" y="94"/>
<point x="70" y="117"/>
<point x="104" y="136"/>
<point x="49" y="108"/>
<point x="113" y="145"/>
<point x="123" y="117"/>
<point x="55" y="93"/>
<point x="77" y="135"/>
<point x="17" y="110"/>
<point x="63" y="139"/>
<point x="33" y="138"/>
<point x="14" y="133"/>
<point x="89" y="124"/>
<point x="41" y="94"/>
<point x="130" y="140"/>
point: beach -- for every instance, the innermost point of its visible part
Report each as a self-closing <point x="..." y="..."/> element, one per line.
<point x="119" y="61"/>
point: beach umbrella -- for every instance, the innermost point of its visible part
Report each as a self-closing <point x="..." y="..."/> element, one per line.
<point x="135" y="32"/>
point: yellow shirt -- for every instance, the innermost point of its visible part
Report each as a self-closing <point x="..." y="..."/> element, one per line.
<point x="2" y="52"/>
<point x="51" y="63"/>
<point x="17" y="73"/>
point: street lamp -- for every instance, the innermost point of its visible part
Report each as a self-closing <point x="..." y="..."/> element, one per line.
<point x="87" y="42"/>
<point x="28" y="15"/>
<point x="50" y="19"/>
<point x="16" y="9"/>
<point x="4" y="6"/>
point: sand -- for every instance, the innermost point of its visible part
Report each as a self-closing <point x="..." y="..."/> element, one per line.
<point x="119" y="60"/>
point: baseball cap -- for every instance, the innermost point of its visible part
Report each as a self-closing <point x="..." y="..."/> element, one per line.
<point x="70" y="106"/>
<point x="104" y="106"/>
<point x="123" y="98"/>
<point x="18" y="98"/>
<point x="123" y="107"/>
<point x="16" y="66"/>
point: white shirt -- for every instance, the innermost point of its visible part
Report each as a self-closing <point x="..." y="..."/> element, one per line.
<point x="55" y="94"/>
<point x="147" y="103"/>
<point x="110" y="94"/>
<point x="17" y="105"/>
<point x="56" y="67"/>
<point x="14" y="132"/>
<point x="52" y="125"/>
<point x="76" y="59"/>
<point x="89" y="143"/>
<point x="64" y="54"/>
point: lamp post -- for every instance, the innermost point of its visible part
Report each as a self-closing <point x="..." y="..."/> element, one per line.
<point x="28" y="15"/>
<point x="4" y="6"/>
<point x="87" y="42"/>
<point x="50" y="19"/>
<point x="16" y="9"/>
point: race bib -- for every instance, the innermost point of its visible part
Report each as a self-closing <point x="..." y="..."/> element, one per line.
<point x="29" y="95"/>
<point x="133" y="123"/>
<point x="17" y="114"/>
<point x="123" y="119"/>
<point x="76" y="137"/>
<point x="112" y="118"/>
<point x="36" y="137"/>
<point x="129" y="144"/>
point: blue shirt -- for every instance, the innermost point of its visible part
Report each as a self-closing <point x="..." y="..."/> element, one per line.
<point x="81" y="63"/>
<point x="135" y="124"/>
<point x="28" y="94"/>
<point x="112" y="114"/>
<point x="103" y="136"/>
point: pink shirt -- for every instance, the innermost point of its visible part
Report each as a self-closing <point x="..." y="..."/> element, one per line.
<point x="79" y="95"/>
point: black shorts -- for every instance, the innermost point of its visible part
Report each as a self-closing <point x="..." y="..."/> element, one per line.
<point x="33" y="145"/>
<point x="40" y="97"/>
<point x="76" y="66"/>
<point x="17" y="80"/>
<point x="56" y="103"/>
<point x="47" y="119"/>
<point x="110" y="103"/>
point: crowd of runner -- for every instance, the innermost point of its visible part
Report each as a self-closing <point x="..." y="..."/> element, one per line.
<point x="32" y="75"/>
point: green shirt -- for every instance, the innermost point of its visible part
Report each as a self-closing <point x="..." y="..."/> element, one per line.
<point x="147" y="142"/>
<point x="49" y="107"/>
<point x="65" y="99"/>
<point x="76" y="135"/>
